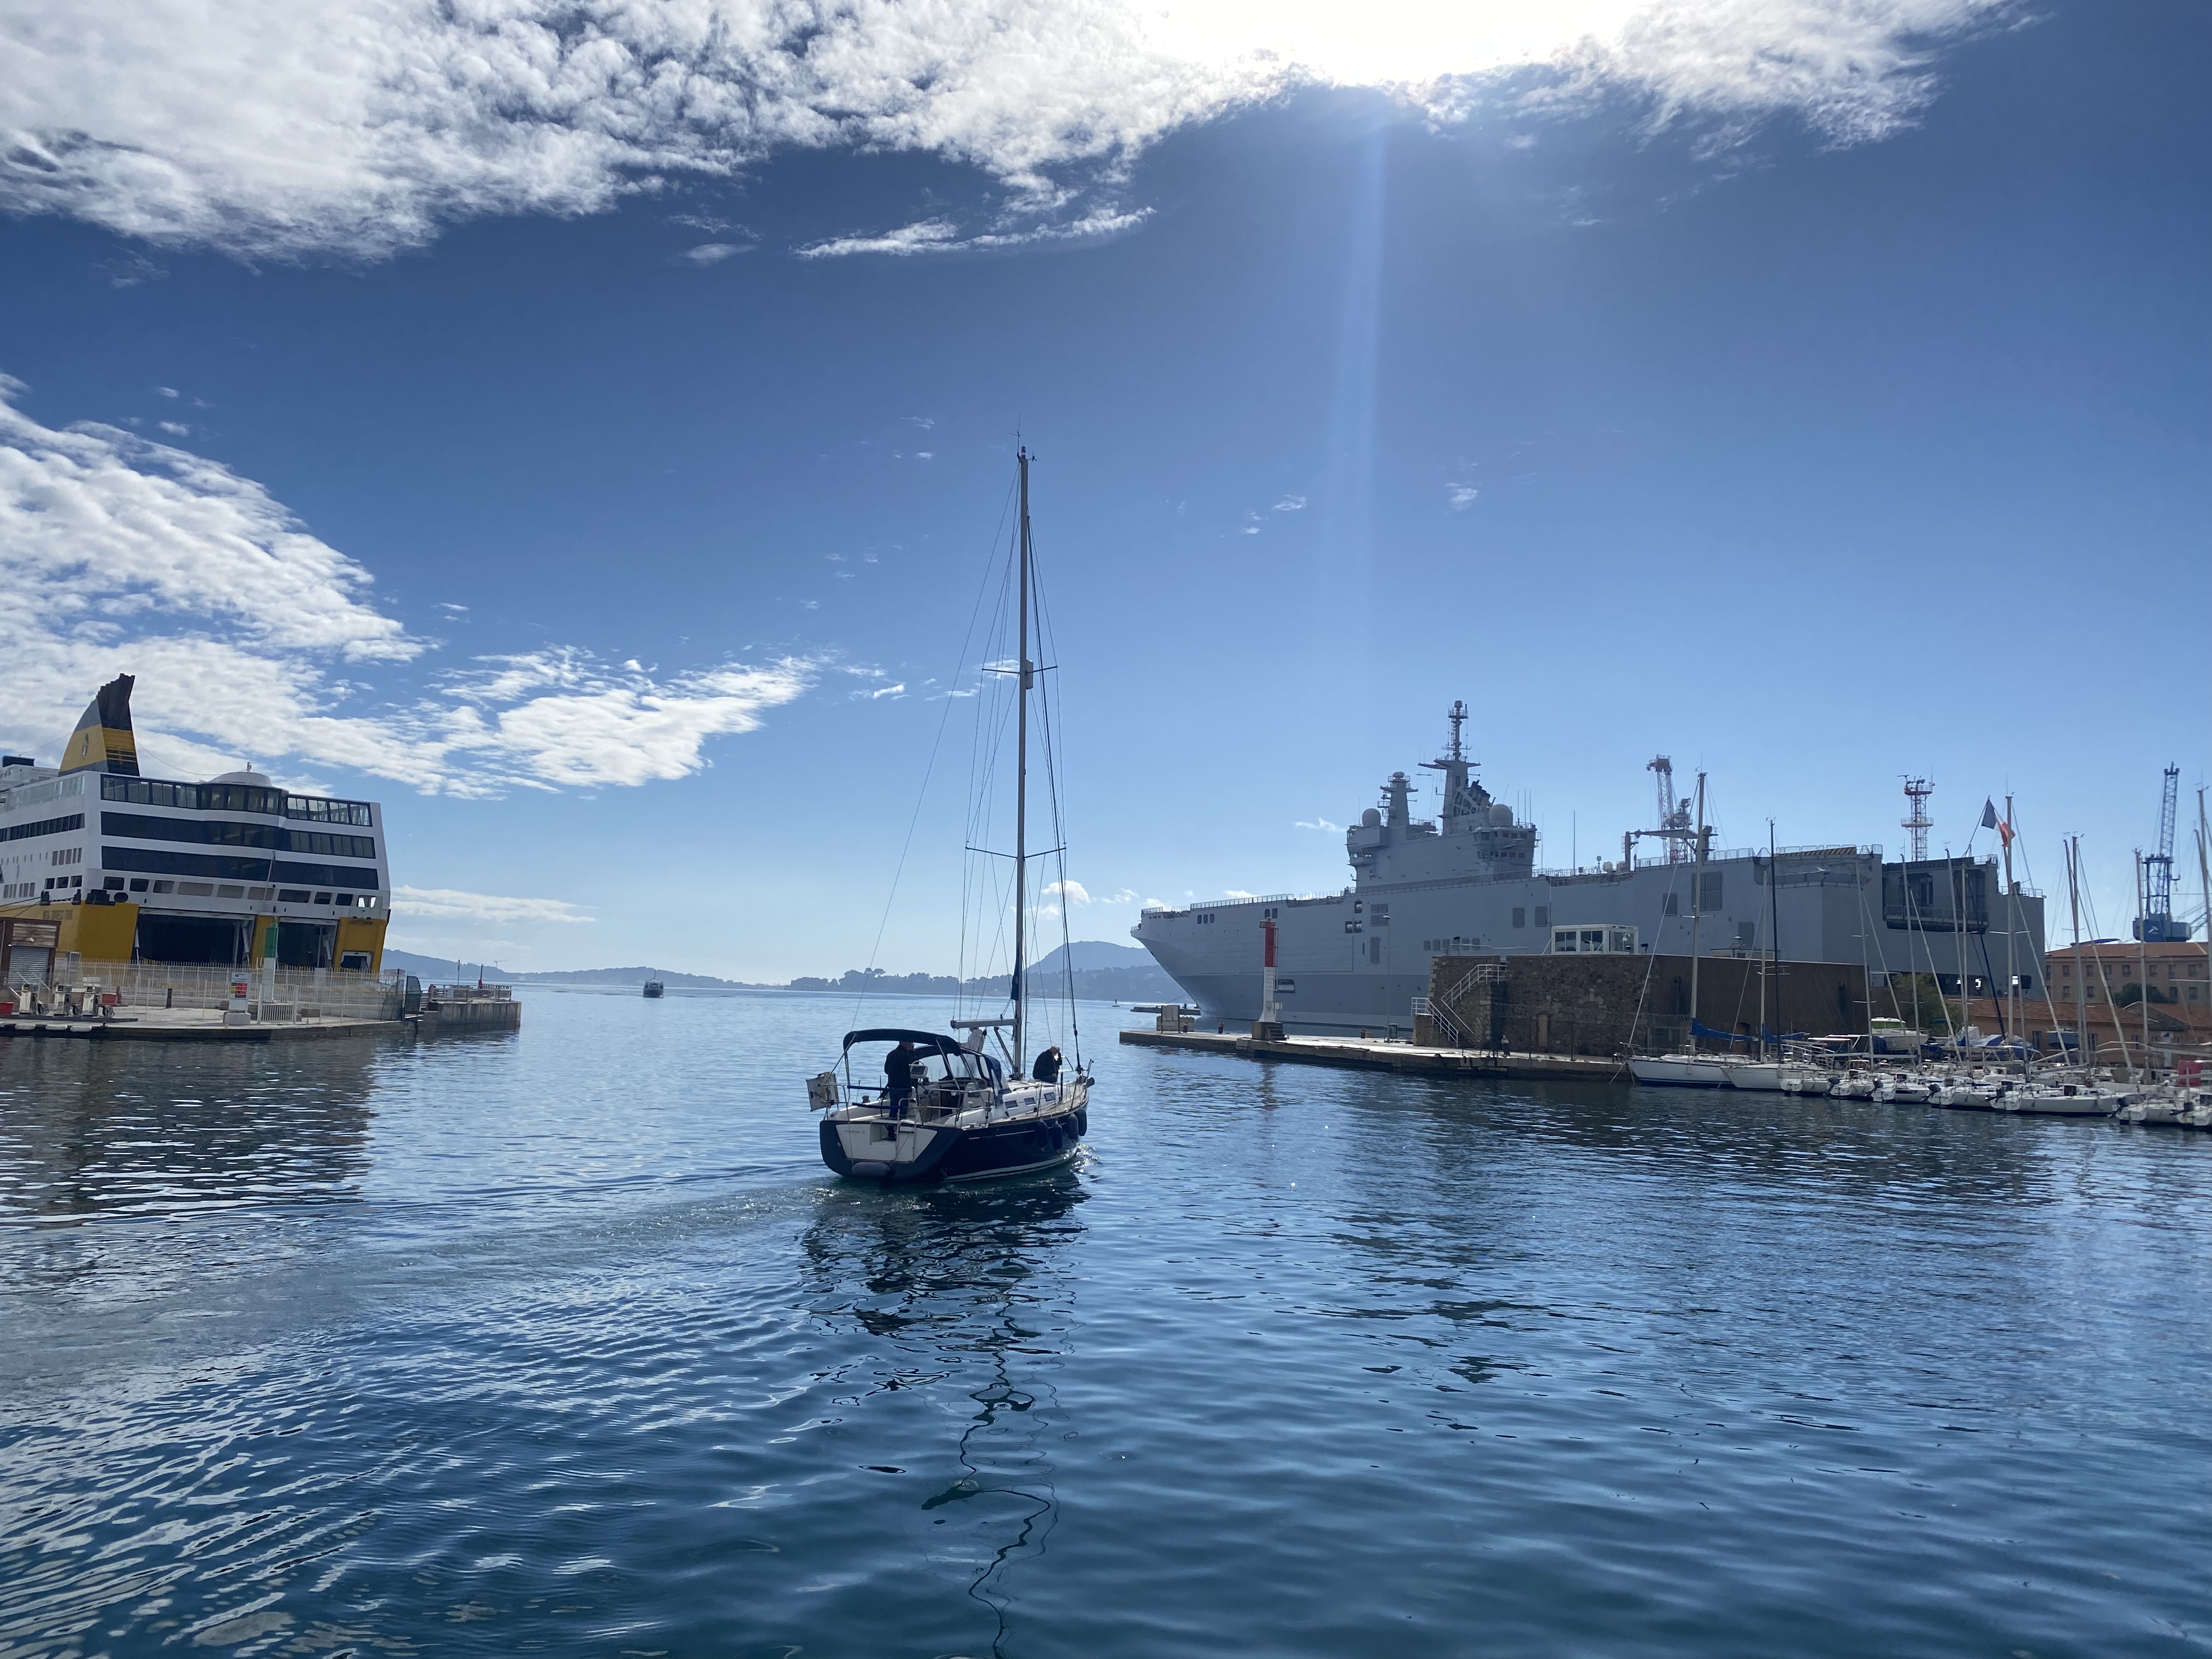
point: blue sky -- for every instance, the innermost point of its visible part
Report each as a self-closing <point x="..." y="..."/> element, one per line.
<point x="591" y="444"/>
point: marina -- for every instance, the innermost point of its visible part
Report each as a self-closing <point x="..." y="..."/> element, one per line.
<point x="2074" y="1093"/>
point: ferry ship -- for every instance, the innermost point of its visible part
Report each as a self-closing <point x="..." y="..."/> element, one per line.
<point x="98" y="860"/>
<point x="1356" y="960"/>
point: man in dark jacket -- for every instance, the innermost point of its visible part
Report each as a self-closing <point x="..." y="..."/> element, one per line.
<point x="898" y="1075"/>
<point x="1046" y="1069"/>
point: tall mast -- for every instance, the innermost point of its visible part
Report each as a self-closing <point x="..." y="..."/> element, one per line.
<point x="2080" y="968"/>
<point x="1697" y="910"/>
<point x="1022" y="783"/>
<point x="2012" y="939"/>
<point x="1773" y="964"/>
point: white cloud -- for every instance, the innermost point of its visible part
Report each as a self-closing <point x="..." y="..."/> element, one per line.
<point x="1318" y="824"/>
<point x="121" y="556"/>
<point x="1461" y="496"/>
<point x="1291" y="504"/>
<point x="898" y="690"/>
<point x="1236" y="893"/>
<point x="167" y="390"/>
<point x="709" y="254"/>
<point x="1072" y="892"/>
<point x="286" y="127"/>
<point x="943" y="236"/>
<point x="449" y="904"/>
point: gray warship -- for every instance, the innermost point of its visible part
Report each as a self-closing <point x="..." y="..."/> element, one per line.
<point x="1467" y="883"/>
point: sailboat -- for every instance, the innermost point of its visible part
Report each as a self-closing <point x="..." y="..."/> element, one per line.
<point x="1689" y="1069"/>
<point x="959" y="1112"/>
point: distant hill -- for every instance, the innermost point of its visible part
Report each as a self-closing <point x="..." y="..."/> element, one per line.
<point x="1102" y="973"/>
<point x="635" y="976"/>
<point x="444" y="970"/>
<point x="1095" y="953"/>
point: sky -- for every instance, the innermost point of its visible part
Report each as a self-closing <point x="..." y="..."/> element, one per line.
<point x="586" y="429"/>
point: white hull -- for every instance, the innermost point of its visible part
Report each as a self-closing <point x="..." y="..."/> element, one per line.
<point x="1681" y="1071"/>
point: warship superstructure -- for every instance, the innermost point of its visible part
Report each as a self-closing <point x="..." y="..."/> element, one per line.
<point x="1467" y="883"/>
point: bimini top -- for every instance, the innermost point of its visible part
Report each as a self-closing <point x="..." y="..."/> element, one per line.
<point x="930" y="1042"/>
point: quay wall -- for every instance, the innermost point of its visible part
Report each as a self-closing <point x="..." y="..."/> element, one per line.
<point x="1610" y="1005"/>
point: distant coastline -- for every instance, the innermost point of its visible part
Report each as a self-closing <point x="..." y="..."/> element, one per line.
<point x="1100" y="972"/>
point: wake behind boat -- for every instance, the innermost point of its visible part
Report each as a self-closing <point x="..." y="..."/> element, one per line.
<point x="947" y="1108"/>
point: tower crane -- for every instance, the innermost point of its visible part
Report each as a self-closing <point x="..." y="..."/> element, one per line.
<point x="2158" y="925"/>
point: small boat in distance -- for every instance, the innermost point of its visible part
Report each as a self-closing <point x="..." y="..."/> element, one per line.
<point x="946" y="1108"/>
<point x="654" y="989"/>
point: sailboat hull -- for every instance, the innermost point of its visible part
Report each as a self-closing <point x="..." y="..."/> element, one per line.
<point x="928" y="1155"/>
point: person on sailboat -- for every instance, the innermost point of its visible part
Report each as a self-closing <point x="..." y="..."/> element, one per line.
<point x="898" y="1076"/>
<point x="1046" y="1069"/>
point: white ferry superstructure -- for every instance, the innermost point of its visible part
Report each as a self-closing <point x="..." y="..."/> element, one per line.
<point x="98" y="860"/>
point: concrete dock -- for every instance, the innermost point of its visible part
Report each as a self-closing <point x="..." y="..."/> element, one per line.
<point x="1377" y="1055"/>
<point x="194" y="1025"/>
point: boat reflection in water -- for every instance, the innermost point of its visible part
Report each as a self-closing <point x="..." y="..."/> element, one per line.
<point x="968" y="1291"/>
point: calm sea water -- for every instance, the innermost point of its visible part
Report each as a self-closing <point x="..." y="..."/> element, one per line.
<point x="566" y="1343"/>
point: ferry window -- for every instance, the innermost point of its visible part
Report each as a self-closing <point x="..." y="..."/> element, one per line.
<point x="322" y="898"/>
<point x="137" y="884"/>
<point x="328" y="812"/>
<point x="1744" y="931"/>
<point x="1671" y="907"/>
<point x="165" y="887"/>
<point x="1543" y="915"/>
<point x="292" y="896"/>
<point x="112" y="884"/>
<point x="1520" y="915"/>
<point x="1712" y="890"/>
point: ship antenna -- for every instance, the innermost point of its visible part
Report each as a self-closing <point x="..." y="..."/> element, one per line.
<point x="1022" y="773"/>
<point x="1458" y="717"/>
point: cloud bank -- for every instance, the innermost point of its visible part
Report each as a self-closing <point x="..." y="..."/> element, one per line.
<point x="355" y="128"/>
<point x="249" y="636"/>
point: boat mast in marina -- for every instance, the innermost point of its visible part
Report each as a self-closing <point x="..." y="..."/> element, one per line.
<point x="1027" y="671"/>
<point x="1697" y="910"/>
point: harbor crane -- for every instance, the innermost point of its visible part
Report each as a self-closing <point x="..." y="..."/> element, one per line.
<point x="2158" y="925"/>
<point x="1673" y="818"/>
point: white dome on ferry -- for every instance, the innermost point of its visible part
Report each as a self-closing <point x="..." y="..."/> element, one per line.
<point x="1371" y="818"/>
<point x="260" y="779"/>
<point x="1501" y="815"/>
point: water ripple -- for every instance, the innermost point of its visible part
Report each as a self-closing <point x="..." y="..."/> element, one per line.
<point x="566" y="1343"/>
